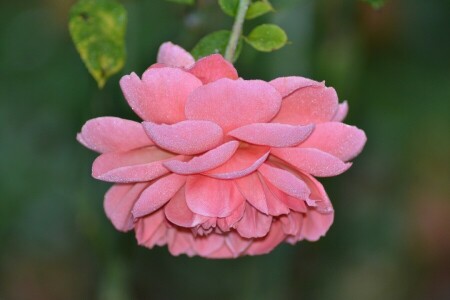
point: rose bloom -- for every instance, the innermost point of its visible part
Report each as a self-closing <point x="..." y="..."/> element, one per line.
<point x="221" y="166"/>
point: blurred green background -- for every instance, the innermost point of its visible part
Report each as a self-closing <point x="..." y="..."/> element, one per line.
<point x="391" y="236"/>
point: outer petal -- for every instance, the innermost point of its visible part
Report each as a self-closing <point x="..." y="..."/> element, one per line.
<point x="151" y="230"/>
<point x="206" y="245"/>
<point x="157" y="194"/>
<point x="179" y="213"/>
<point x="272" y="134"/>
<point x="118" y="203"/>
<point x="245" y="161"/>
<point x="316" y="225"/>
<point x="225" y="224"/>
<point x="292" y="223"/>
<point x="212" y="197"/>
<point x="174" y="56"/>
<point x="142" y="164"/>
<point x="285" y="181"/>
<point x="253" y="224"/>
<point x="234" y="103"/>
<point x="180" y="242"/>
<point x="338" y="139"/>
<point x="293" y="203"/>
<point x="312" y="161"/>
<point x="212" y="68"/>
<point x="187" y="137"/>
<point x="341" y="112"/>
<point x="269" y="242"/>
<point x="106" y="134"/>
<point x="251" y="188"/>
<point x="287" y="85"/>
<point x="236" y="243"/>
<point x="313" y="104"/>
<point x="205" y="162"/>
<point x="161" y="94"/>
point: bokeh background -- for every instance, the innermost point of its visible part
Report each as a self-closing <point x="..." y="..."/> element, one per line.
<point x="391" y="236"/>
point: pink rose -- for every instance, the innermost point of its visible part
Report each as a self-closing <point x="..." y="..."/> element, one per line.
<point x="221" y="167"/>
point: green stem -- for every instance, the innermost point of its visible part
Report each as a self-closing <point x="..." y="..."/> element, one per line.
<point x="237" y="29"/>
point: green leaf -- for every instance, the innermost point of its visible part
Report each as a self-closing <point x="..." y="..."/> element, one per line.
<point x="376" y="3"/>
<point x="267" y="37"/>
<point x="229" y="7"/>
<point x="215" y="42"/>
<point x="258" y="8"/>
<point x="188" y="2"/>
<point x="97" y="28"/>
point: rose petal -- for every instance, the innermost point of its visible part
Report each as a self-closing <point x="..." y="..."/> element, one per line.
<point x="287" y="85"/>
<point x="205" y="245"/>
<point x="186" y="137"/>
<point x="269" y="242"/>
<point x="236" y="243"/>
<point x="142" y="164"/>
<point x="161" y="95"/>
<point x="157" y="194"/>
<point x="312" y="104"/>
<point x="293" y="203"/>
<point x="212" y="68"/>
<point x="223" y="252"/>
<point x="312" y="161"/>
<point x="292" y="223"/>
<point x="205" y="162"/>
<point x="272" y="134"/>
<point x="315" y="225"/>
<point x="212" y="197"/>
<point x="253" y="224"/>
<point x="225" y="224"/>
<point x="338" y="139"/>
<point x="275" y="206"/>
<point x="106" y="134"/>
<point x="178" y="212"/>
<point x="285" y="181"/>
<point x="251" y="188"/>
<point x="181" y="242"/>
<point x="341" y="112"/>
<point x="245" y="161"/>
<point x="151" y="230"/>
<point x="119" y="200"/>
<point x="234" y="103"/>
<point x="175" y="56"/>
<point x="318" y="194"/>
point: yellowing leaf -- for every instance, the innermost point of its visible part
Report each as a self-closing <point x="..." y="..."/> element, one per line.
<point x="97" y="28"/>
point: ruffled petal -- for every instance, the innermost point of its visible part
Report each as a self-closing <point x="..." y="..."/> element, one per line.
<point x="161" y="95"/>
<point x="253" y="224"/>
<point x="212" y="197"/>
<point x="312" y="104"/>
<point x="285" y="181"/>
<point x="157" y="194"/>
<point x="180" y="242"/>
<point x="275" y="206"/>
<point x="205" y="162"/>
<point x="341" y="112"/>
<point x="251" y="188"/>
<point x="245" y="161"/>
<point x="206" y="245"/>
<point x="138" y="165"/>
<point x="292" y="223"/>
<point x="272" y="134"/>
<point x="287" y="85"/>
<point x="212" y="68"/>
<point x="293" y="203"/>
<point x="338" y="139"/>
<point x="269" y="242"/>
<point x="107" y="134"/>
<point x="187" y="137"/>
<point x="222" y="252"/>
<point x="237" y="244"/>
<point x="119" y="201"/>
<point x="151" y="230"/>
<point x="174" y="56"/>
<point x="178" y="212"/>
<point x="225" y="224"/>
<point x="315" y="225"/>
<point x="312" y="161"/>
<point x="234" y="103"/>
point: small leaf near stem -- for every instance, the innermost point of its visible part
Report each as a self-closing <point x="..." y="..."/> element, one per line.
<point x="237" y="30"/>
